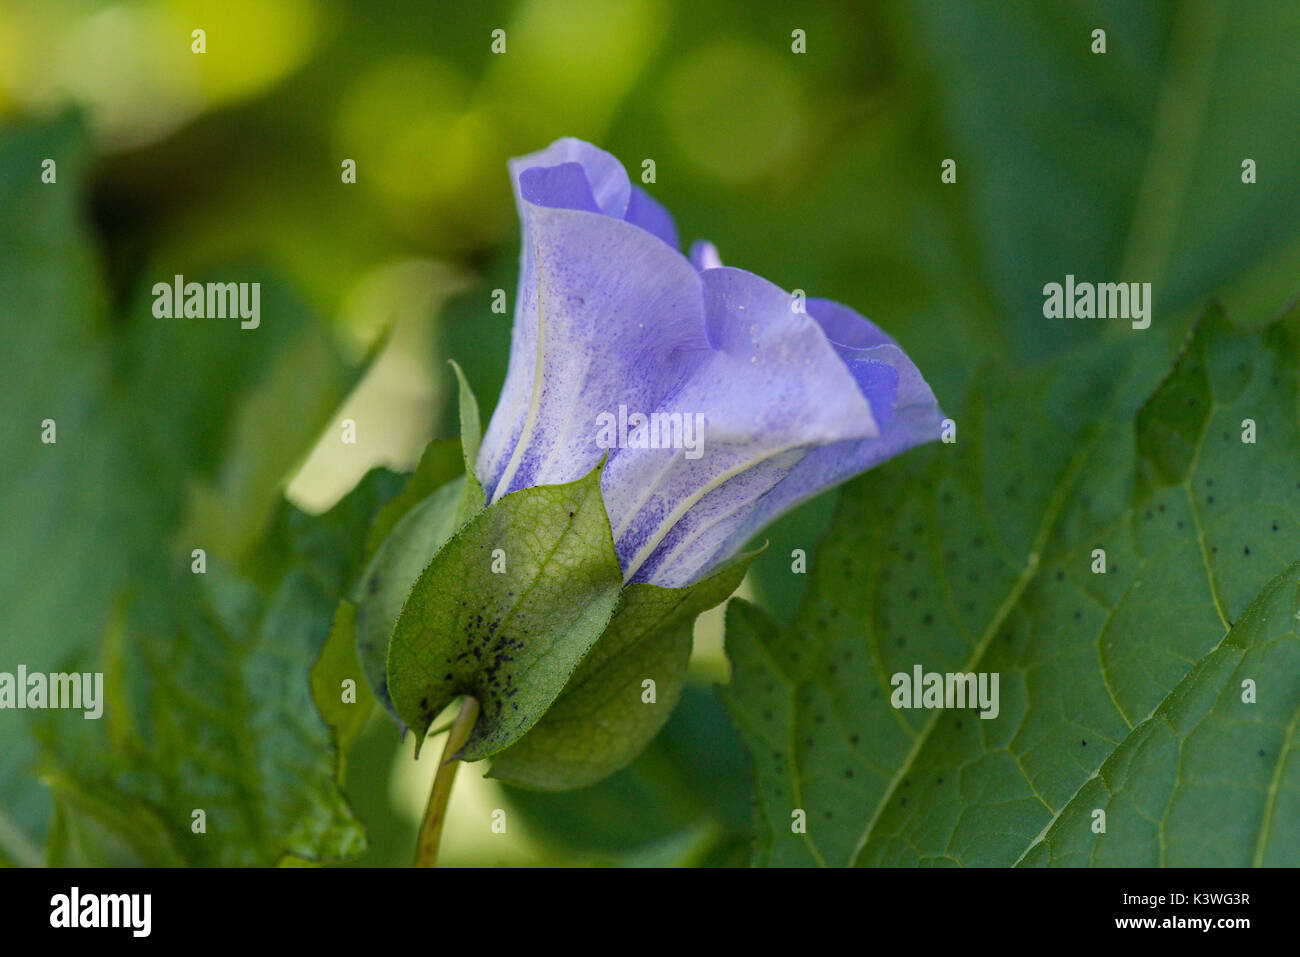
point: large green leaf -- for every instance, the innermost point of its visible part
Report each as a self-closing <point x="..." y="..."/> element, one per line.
<point x="1183" y="94"/>
<point x="1117" y="166"/>
<point x="506" y="611"/>
<point x="607" y="715"/>
<point x="210" y="706"/>
<point x="156" y="420"/>
<point x="1212" y="775"/>
<point x="978" y="557"/>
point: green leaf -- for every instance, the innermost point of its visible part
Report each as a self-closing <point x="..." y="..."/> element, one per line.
<point x="153" y="417"/>
<point x="978" y="557"/>
<point x="601" y="721"/>
<point x="402" y="545"/>
<point x="439" y="464"/>
<point x="1159" y="182"/>
<point x="512" y="636"/>
<point x="274" y="428"/>
<point x="387" y="581"/>
<point x="338" y="663"/>
<point x="471" y="434"/>
<point x="229" y="729"/>
<point x="692" y="778"/>
<point x="1211" y="776"/>
<point x="217" y="712"/>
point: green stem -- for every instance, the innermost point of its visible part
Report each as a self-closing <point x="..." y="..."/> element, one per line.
<point x="426" y="847"/>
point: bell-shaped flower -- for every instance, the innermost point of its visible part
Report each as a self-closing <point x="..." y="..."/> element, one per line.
<point x="721" y="400"/>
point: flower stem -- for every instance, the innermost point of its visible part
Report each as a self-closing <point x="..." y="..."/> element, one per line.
<point x="426" y="847"/>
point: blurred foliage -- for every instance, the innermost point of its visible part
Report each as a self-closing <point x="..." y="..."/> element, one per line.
<point x="819" y="171"/>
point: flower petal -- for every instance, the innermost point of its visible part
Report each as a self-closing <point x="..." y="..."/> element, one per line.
<point x="608" y="180"/>
<point x="608" y="314"/>
<point x="558" y="187"/>
<point x="704" y="256"/>
<point x="611" y="319"/>
<point x="911" y="418"/>
<point x="646" y="212"/>
<point x="771" y="389"/>
<point x="845" y="327"/>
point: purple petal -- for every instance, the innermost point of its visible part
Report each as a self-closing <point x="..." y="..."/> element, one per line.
<point x="705" y="256"/>
<point x="770" y="389"/>
<point x="845" y="327"/>
<point x="646" y="212"/>
<point x="605" y="175"/>
<point x="558" y="187"/>
<point x="608" y="314"/>
<point x="913" y="419"/>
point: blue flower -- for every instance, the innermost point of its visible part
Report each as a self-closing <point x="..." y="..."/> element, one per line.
<point x="721" y="400"/>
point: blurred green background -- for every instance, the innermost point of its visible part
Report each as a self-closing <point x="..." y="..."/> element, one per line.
<point x="818" y="170"/>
